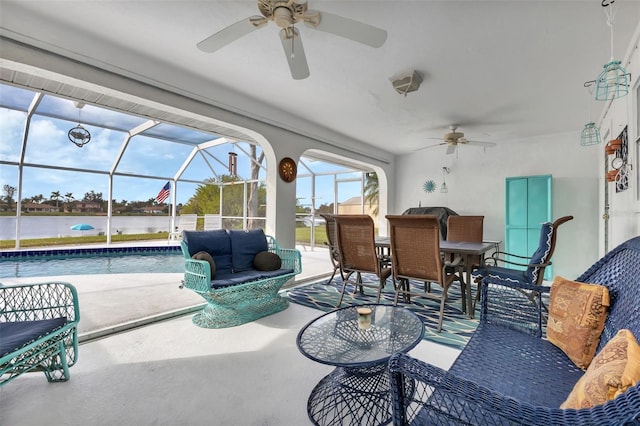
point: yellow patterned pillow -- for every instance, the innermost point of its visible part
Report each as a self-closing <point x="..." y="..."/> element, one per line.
<point x="613" y="370"/>
<point x="577" y="312"/>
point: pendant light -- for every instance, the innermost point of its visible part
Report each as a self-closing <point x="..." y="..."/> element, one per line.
<point x="613" y="81"/>
<point x="590" y="134"/>
<point x="443" y="187"/>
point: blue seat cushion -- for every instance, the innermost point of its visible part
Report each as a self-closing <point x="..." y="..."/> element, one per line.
<point x="517" y="364"/>
<point x="228" y="280"/>
<point x="541" y="255"/>
<point x="244" y="246"/>
<point x="217" y="243"/>
<point x="17" y="334"/>
<point x="499" y="275"/>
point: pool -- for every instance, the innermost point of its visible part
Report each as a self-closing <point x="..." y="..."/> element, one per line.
<point x="120" y="260"/>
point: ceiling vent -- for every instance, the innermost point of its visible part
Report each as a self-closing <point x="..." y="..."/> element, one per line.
<point x="406" y="83"/>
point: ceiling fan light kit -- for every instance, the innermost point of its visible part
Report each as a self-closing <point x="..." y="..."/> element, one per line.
<point x="406" y="83"/>
<point x="286" y="14"/>
<point x="455" y="138"/>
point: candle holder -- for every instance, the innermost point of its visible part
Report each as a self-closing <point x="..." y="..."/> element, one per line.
<point x="364" y="318"/>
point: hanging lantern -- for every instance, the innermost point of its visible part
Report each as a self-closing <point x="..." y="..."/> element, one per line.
<point x="590" y="134"/>
<point x="233" y="164"/>
<point x="612" y="83"/>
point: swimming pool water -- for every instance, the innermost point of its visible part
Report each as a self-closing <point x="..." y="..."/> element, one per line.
<point x="82" y="263"/>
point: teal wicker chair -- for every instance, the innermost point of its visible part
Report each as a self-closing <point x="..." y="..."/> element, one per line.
<point x="238" y="293"/>
<point x="38" y="330"/>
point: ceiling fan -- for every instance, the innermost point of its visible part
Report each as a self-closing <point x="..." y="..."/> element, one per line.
<point x="286" y="14"/>
<point x="455" y="138"/>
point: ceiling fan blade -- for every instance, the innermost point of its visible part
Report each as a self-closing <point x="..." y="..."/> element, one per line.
<point x="294" y="52"/>
<point x="480" y="143"/>
<point x="430" y="146"/>
<point x="230" y="34"/>
<point x="451" y="148"/>
<point x="348" y="28"/>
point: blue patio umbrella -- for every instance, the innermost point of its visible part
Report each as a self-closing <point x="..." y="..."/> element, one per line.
<point x="81" y="227"/>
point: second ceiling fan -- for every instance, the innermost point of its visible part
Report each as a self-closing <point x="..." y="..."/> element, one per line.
<point x="455" y="138"/>
<point x="286" y="14"/>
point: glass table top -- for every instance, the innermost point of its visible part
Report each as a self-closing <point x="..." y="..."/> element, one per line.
<point x="339" y="338"/>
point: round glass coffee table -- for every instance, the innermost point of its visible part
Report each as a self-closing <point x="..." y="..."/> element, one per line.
<point x="359" y="346"/>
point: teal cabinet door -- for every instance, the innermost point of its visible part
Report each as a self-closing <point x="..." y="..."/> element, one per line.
<point x="528" y="205"/>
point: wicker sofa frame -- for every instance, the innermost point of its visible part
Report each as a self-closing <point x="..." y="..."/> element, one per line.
<point x="38" y="328"/>
<point x="508" y="373"/>
<point x="244" y="301"/>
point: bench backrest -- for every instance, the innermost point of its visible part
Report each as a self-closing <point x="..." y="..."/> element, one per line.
<point x="619" y="271"/>
<point x="231" y="250"/>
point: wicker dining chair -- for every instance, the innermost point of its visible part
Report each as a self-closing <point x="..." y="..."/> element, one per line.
<point x="466" y="228"/>
<point x="357" y="253"/>
<point x="332" y="243"/>
<point x="415" y="255"/>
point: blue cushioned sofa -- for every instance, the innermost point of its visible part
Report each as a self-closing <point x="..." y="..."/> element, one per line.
<point x="38" y="330"/>
<point x="508" y="373"/>
<point x="238" y="293"/>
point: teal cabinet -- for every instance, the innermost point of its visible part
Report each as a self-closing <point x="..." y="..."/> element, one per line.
<point x="528" y="205"/>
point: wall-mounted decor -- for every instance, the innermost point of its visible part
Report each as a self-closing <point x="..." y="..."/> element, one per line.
<point x="429" y="186"/>
<point x="621" y="159"/>
<point x="288" y="169"/>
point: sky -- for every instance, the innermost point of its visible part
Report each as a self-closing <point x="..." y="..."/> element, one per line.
<point x="150" y="156"/>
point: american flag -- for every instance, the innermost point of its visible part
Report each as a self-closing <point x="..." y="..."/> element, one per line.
<point x="164" y="193"/>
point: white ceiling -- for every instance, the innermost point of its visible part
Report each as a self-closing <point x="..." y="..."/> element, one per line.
<point x="502" y="70"/>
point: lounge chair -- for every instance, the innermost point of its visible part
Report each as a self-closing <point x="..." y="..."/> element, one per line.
<point x="186" y="222"/>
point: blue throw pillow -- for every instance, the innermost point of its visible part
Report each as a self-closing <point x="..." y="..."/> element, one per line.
<point x="217" y="243"/>
<point x="244" y="247"/>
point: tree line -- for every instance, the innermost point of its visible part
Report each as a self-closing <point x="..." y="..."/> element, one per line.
<point x="65" y="202"/>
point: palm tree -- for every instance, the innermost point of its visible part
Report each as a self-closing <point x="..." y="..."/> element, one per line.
<point x="68" y="198"/>
<point x="55" y="196"/>
<point x="371" y="191"/>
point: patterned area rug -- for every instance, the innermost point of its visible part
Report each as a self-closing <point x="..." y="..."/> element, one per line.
<point x="456" y="326"/>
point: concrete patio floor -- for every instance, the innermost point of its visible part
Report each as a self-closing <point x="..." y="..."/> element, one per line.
<point x="172" y="372"/>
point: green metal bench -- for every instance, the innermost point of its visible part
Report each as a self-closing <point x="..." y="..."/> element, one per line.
<point x="236" y="295"/>
<point x="38" y="330"/>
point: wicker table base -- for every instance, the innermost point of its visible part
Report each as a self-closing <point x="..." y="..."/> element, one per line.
<point x="352" y="396"/>
<point x="358" y="344"/>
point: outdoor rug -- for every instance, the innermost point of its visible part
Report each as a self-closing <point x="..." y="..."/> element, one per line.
<point x="457" y="328"/>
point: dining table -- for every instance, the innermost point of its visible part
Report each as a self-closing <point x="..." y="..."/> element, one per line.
<point x="465" y="249"/>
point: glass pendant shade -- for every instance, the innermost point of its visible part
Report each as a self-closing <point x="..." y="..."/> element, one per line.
<point x="443" y="187"/>
<point x="612" y="83"/>
<point x="590" y="135"/>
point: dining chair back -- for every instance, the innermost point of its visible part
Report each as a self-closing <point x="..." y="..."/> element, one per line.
<point x="523" y="269"/>
<point x="415" y="255"/>
<point x="466" y="228"/>
<point x="332" y="243"/>
<point x="357" y="252"/>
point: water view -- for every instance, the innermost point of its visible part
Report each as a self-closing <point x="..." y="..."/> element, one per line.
<point x="60" y="226"/>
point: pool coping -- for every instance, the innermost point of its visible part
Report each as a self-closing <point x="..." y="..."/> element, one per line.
<point x="28" y="254"/>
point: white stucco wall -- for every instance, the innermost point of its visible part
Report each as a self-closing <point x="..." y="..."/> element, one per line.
<point x="477" y="187"/>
